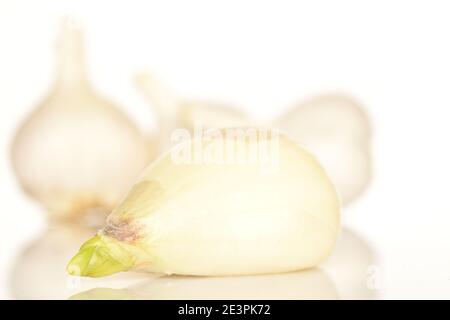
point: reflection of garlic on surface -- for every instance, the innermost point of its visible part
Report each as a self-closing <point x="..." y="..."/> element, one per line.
<point x="219" y="219"/>
<point x="306" y="284"/>
<point x="77" y="151"/>
<point x="333" y="127"/>
<point x="352" y="266"/>
<point x="38" y="271"/>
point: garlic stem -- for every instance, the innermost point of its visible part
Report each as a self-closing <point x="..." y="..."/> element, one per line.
<point x="77" y="151"/>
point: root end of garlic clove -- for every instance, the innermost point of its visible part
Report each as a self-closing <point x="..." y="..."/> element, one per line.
<point x="100" y="256"/>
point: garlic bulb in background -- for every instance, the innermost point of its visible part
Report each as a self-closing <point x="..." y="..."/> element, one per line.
<point x="335" y="129"/>
<point x="206" y="216"/>
<point x="173" y="112"/>
<point x="76" y="152"/>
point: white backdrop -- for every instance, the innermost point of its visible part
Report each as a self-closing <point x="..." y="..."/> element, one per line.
<point x="263" y="56"/>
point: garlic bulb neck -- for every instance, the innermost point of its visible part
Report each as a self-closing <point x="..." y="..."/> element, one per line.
<point x="71" y="73"/>
<point x="165" y="105"/>
<point x="163" y="100"/>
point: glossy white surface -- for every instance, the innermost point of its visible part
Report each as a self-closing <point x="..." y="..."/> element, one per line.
<point x="39" y="273"/>
<point x="392" y="56"/>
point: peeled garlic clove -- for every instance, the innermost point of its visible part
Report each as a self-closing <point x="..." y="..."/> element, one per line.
<point x="76" y="151"/>
<point x="173" y="112"/>
<point x="337" y="130"/>
<point x="194" y="214"/>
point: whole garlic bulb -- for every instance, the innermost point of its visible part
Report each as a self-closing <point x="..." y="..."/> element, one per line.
<point x="76" y="151"/>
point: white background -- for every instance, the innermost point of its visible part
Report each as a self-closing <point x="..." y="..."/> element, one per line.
<point x="265" y="56"/>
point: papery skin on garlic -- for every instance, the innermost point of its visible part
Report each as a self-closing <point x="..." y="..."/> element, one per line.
<point x="219" y="219"/>
<point x="76" y="151"/>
